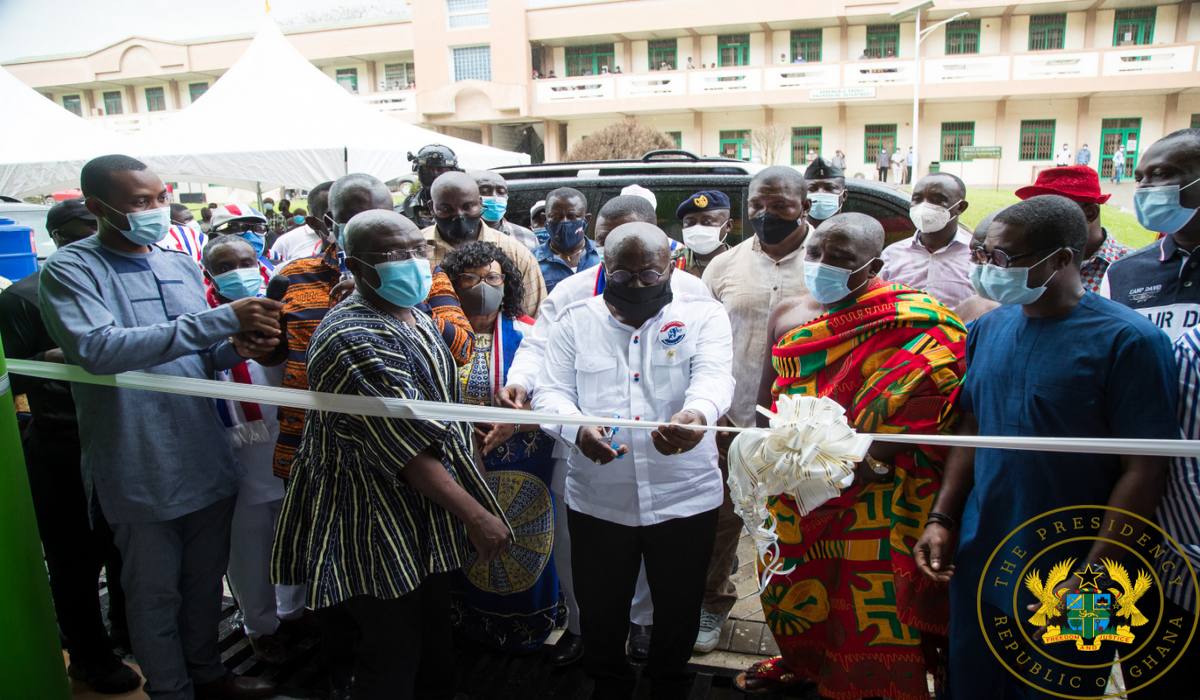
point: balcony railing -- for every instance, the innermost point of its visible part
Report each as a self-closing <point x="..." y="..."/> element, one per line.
<point x="392" y="101"/>
<point x="877" y="73"/>
<point x="965" y="69"/>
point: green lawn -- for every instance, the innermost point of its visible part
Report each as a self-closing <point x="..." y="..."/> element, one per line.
<point x="1124" y="226"/>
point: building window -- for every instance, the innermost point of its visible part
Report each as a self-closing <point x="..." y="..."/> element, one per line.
<point x="1047" y="32"/>
<point x="733" y="50"/>
<point x="1127" y="132"/>
<point x="805" y="139"/>
<point x="875" y="137"/>
<point x="1195" y="117"/>
<point x="156" y="100"/>
<point x="196" y="90"/>
<point x="735" y="144"/>
<point x="466" y="13"/>
<point x="592" y="59"/>
<point x="806" y="45"/>
<point x="663" y="51"/>
<point x="676" y="137"/>
<point x="1134" y="26"/>
<point x="399" y="76"/>
<point x="962" y="37"/>
<point x="348" y="79"/>
<point x="955" y="135"/>
<point x="74" y="104"/>
<point x="112" y="102"/>
<point x="473" y="63"/>
<point x="1037" y="139"/>
<point x="883" y="41"/>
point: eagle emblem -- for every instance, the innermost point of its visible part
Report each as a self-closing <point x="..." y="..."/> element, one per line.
<point x="1088" y="609"/>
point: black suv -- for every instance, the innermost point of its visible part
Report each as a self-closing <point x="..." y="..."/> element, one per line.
<point x="674" y="175"/>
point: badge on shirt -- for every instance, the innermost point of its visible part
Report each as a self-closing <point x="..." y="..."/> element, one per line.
<point x="672" y="333"/>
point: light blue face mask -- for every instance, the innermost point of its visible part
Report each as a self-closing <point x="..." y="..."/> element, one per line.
<point x="824" y="205"/>
<point x="238" y="284"/>
<point x="146" y="227"/>
<point x="829" y="284"/>
<point x="1158" y="208"/>
<point x="1009" y="285"/>
<point x="404" y="283"/>
<point x="257" y="241"/>
<point x="494" y="208"/>
<point x="339" y="234"/>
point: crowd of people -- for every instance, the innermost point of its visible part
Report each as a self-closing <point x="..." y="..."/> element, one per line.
<point x="391" y="536"/>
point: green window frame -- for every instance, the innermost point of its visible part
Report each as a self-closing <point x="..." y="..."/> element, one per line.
<point x="589" y="59"/>
<point x="676" y="138"/>
<point x="955" y="135"/>
<point x="876" y="136"/>
<point x="1037" y="139"/>
<point x="74" y="105"/>
<point x="804" y="139"/>
<point x="196" y="91"/>
<point x="1047" y="32"/>
<point x="348" y="79"/>
<point x="1195" y="119"/>
<point x="1134" y="26"/>
<point x="733" y="50"/>
<point x="735" y="144"/>
<point x="112" y="102"/>
<point x="962" y="37"/>
<point x="807" y="44"/>
<point x="883" y="41"/>
<point x="663" y="51"/>
<point x="156" y="99"/>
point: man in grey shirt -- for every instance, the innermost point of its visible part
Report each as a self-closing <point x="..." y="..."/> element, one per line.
<point x="160" y="464"/>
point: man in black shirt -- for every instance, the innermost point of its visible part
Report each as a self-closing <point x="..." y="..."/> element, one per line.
<point x="75" y="548"/>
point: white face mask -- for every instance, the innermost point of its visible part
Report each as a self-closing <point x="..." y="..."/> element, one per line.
<point x="703" y="239"/>
<point x="929" y="218"/>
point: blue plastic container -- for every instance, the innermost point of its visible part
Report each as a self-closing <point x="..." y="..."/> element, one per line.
<point x="17" y="254"/>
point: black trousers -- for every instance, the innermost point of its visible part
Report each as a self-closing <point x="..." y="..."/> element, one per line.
<point x="75" y="548"/>
<point x="883" y="173"/>
<point x="405" y="646"/>
<point x="605" y="568"/>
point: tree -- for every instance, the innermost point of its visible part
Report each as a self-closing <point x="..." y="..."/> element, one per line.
<point x="625" y="139"/>
<point x="766" y="141"/>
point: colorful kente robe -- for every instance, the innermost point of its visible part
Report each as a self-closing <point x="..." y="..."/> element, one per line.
<point x="855" y="615"/>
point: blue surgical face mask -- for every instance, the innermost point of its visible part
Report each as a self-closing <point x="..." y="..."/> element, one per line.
<point x="404" y="283"/>
<point x="298" y="220"/>
<point x="542" y="234"/>
<point x="339" y="234"/>
<point x="567" y="234"/>
<point x="238" y="284"/>
<point x="494" y="208"/>
<point x="1009" y="285"/>
<point x="146" y="227"/>
<point x="824" y="205"/>
<point x="1158" y="208"/>
<point x="828" y="284"/>
<point x="257" y="241"/>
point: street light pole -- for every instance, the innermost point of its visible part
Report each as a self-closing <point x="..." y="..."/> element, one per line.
<point x="916" y="126"/>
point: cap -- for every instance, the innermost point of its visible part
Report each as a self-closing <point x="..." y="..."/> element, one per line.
<point x="235" y="212"/>
<point x="639" y="191"/>
<point x="540" y="206"/>
<point x="821" y="169"/>
<point x="67" y="210"/>
<point x="704" y="200"/>
<point x="435" y="154"/>
<point x="1075" y="182"/>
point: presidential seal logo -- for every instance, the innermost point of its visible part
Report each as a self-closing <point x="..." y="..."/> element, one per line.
<point x="1073" y="592"/>
<point x="672" y="334"/>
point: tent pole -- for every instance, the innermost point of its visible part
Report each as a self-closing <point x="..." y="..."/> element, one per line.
<point x="258" y="190"/>
<point x="345" y="160"/>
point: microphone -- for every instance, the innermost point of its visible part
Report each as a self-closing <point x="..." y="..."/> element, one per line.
<point x="278" y="286"/>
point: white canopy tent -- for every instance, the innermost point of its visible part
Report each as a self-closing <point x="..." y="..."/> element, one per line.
<point x="42" y="145"/>
<point x="241" y="133"/>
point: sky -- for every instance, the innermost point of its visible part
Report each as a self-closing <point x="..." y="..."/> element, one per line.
<point x="39" y="28"/>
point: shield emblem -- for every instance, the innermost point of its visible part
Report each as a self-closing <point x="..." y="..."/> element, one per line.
<point x="1088" y="613"/>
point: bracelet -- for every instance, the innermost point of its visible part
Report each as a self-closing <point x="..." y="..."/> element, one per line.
<point x="941" y="519"/>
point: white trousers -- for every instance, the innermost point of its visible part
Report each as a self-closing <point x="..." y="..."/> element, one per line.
<point x="263" y="605"/>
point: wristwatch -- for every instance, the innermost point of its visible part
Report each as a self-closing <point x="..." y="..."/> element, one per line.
<point x="879" y="467"/>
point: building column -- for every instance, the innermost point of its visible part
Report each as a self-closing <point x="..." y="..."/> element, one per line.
<point x="843" y="134"/>
<point x="372" y="85"/>
<point x="551" y="144"/>
<point x="698" y="129"/>
<point x="1084" y="129"/>
<point x="695" y="50"/>
<point x="1182" y="21"/>
<point x="768" y="46"/>
<point x="89" y="103"/>
<point x="131" y="100"/>
<point x="1089" y="29"/>
<point x="176" y="101"/>
<point x="844" y="40"/>
<point x="485" y="134"/>
<point x="1169" y="111"/>
<point x="1005" y="30"/>
<point x="626" y="63"/>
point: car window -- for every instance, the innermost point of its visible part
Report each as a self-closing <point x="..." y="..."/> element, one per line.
<point x="892" y="214"/>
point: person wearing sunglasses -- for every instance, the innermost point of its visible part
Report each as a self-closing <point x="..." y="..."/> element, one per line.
<point x="411" y="504"/>
<point x="308" y="238"/>
<point x="1054" y="360"/>
<point x="639" y="352"/>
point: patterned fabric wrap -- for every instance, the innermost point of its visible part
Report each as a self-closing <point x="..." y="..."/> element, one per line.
<point x="856" y="615"/>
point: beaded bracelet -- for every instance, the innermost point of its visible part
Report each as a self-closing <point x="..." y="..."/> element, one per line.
<point x="941" y="519"/>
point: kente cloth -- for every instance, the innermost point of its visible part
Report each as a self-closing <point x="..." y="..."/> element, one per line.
<point x="855" y="615"/>
<point x="513" y="603"/>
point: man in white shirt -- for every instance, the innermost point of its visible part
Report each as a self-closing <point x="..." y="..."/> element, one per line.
<point x="1064" y="156"/>
<point x="638" y="352"/>
<point x="307" y="240"/>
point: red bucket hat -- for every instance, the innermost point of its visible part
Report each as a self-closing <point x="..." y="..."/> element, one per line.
<point x="1076" y="182"/>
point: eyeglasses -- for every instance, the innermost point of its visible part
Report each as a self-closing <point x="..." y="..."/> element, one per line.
<point x="422" y="252"/>
<point x="468" y="280"/>
<point x="648" y="277"/>
<point x="999" y="258"/>
<point x="241" y="227"/>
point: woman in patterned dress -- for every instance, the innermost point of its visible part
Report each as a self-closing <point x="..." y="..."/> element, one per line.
<point x="513" y="604"/>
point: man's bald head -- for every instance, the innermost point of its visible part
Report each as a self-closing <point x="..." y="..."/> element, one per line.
<point x="451" y="183"/>
<point x="375" y="231"/>
<point x="780" y="176"/>
<point x="637" y="246"/>
<point x="355" y="193"/>
<point x="846" y="240"/>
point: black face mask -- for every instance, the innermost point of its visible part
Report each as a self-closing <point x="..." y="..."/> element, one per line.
<point x="636" y="304"/>
<point x="771" y="229"/>
<point x="458" y="228"/>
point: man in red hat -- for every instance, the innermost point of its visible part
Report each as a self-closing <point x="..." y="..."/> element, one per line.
<point x="1081" y="185"/>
